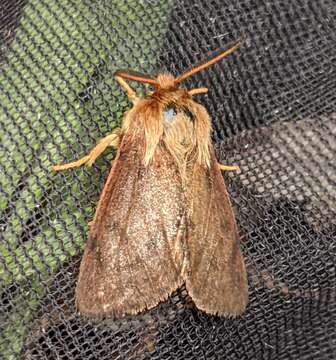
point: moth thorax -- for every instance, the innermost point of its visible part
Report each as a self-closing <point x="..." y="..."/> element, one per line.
<point x="179" y="135"/>
<point x="166" y="81"/>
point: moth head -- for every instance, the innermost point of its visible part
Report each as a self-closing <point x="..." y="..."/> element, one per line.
<point x="167" y="82"/>
<point x="169" y="114"/>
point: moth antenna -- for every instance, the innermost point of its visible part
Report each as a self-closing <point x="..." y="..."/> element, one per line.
<point x="134" y="76"/>
<point x="206" y="64"/>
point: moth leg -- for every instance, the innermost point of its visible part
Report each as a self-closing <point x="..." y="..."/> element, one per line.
<point x="129" y="91"/>
<point x="110" y="140"/>
<point x="202" y="90"/>
<point x="228" y="167"/>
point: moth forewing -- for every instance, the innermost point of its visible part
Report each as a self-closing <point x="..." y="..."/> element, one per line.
<point x="133" y="258"/>
<point x="217" y="279"/>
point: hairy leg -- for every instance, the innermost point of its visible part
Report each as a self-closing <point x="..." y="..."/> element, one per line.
<point x="228" y="168"/>
<point x="112" y="139"/>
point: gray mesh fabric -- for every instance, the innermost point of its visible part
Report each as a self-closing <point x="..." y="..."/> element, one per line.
<point x="272" y="105"/>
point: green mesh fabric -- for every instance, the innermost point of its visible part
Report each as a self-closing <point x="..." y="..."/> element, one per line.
<point x="272" y="105"/>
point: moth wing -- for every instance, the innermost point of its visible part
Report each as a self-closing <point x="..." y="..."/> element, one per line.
<point x="134" y="254"/>
<point x="217" y="279"/>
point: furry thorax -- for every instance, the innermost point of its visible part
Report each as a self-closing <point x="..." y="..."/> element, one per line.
<point x="187" y="136"/>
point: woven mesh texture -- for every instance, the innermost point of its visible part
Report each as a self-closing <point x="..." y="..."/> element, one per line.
<point x="272" y="105"/>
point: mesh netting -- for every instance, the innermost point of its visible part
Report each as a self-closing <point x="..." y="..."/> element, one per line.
<point x="272" y="106"/>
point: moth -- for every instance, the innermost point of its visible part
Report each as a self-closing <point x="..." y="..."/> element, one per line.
<point x="164" y="217"/>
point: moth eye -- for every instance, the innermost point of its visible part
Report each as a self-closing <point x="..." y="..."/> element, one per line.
<point x="169" y="115"/>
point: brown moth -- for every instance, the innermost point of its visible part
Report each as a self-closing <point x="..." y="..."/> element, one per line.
<point x="164" y="217"/>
